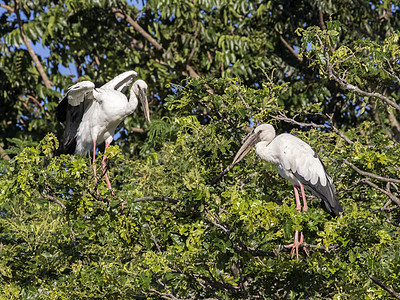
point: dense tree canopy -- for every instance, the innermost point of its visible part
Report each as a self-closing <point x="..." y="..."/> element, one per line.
<point x="325" y="72"/>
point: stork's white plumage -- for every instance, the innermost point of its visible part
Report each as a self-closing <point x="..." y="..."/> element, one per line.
<point x="92" y="114"/>
<point x="298" y="163"/>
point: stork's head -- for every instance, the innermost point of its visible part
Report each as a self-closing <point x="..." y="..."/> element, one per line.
<point x="262" y="133"/>
<point x="139" y="88"/>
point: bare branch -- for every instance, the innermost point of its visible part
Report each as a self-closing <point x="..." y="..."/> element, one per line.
<point x="343" y="82"/>
<point x="385" y="286"/>
<point x="374" y="176"/>
<point x="392" y="72"/>
<point x="390" y="195"/>
<point x="337" y="131"/>
<point x="165" y="295"/>
<point x="282" y="116"/>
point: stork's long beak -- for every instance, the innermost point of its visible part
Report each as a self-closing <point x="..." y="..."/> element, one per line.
<point x="145" y="104"/>
<point x="246" y="147"/>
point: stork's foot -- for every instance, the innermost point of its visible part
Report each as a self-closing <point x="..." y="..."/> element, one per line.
<point x="122" y="205"/>
<point x="296" y="244"/>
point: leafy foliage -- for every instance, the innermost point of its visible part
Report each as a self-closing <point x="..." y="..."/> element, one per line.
<point x="214" y="69"/>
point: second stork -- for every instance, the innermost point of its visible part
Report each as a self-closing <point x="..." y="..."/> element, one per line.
<point x="299" y="164"/>
<point x="92" y="114"/>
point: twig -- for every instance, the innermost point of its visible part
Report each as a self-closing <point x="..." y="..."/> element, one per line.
<point x="244" y="102"/>
<point x="385" y="287"/>
<point x="282" y="116"/>
<point x="337" y="131"/>
<point x="152" y="198"/>
<point x="343" y="82"/>
<point x="153" y="238"/>
<point x="55" y="200"/>
<point x="9" y="8"/>
<point x="165" y="296"/>
<point x="137" y="130"/>
<point x="222" y="174"/>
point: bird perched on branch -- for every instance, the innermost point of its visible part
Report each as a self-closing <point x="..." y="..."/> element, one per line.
<point x="299" y="164"/>
<point x="91" y="114"/>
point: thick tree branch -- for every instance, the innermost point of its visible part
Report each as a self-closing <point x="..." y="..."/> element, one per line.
<point x="290" y="48"/>
<point x="385" y="287"/>
<point x="32" y="53"/>
<point x="121" y="14"/>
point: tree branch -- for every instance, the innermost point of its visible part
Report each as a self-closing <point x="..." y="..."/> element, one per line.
<point x="331" y="73"/>
<point x="3" y="154"/>
<point x="9" y="8"/>
<point x="282" y="116"/>
<point x="374" y="176"/>
<point x="290" y="49"/>
<point x="121" y="14"/>
<point x="385" y="287"/>
<point x="390" y="195"/>
<point x="55" y="200"/>
<point x="152" y="198"/>
<point x="343" y="82"/>
<point x="32" y="53"/>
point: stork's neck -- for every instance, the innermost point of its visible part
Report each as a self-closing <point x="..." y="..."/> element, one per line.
<point x="264" y="152"/>
<point x="132" y="103"/>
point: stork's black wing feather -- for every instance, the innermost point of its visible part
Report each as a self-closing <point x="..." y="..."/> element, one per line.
<point x="72" y="116"/>
<point x="326" y="193"/>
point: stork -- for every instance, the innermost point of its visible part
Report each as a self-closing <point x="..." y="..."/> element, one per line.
<point x="92" y="114"/>
<point x="299" y="164"/>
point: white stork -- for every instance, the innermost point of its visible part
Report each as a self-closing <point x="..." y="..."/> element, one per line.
<point x="297" y="163"/>
<point x="92" y="114"/>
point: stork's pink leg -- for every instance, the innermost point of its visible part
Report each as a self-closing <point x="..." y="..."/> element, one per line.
<point x="103" y="163"/>
<point x="303" y="195"/>
<point x="94" y="168"/>
<point x="296" y="243"/>
<point x="297" y="198"/>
